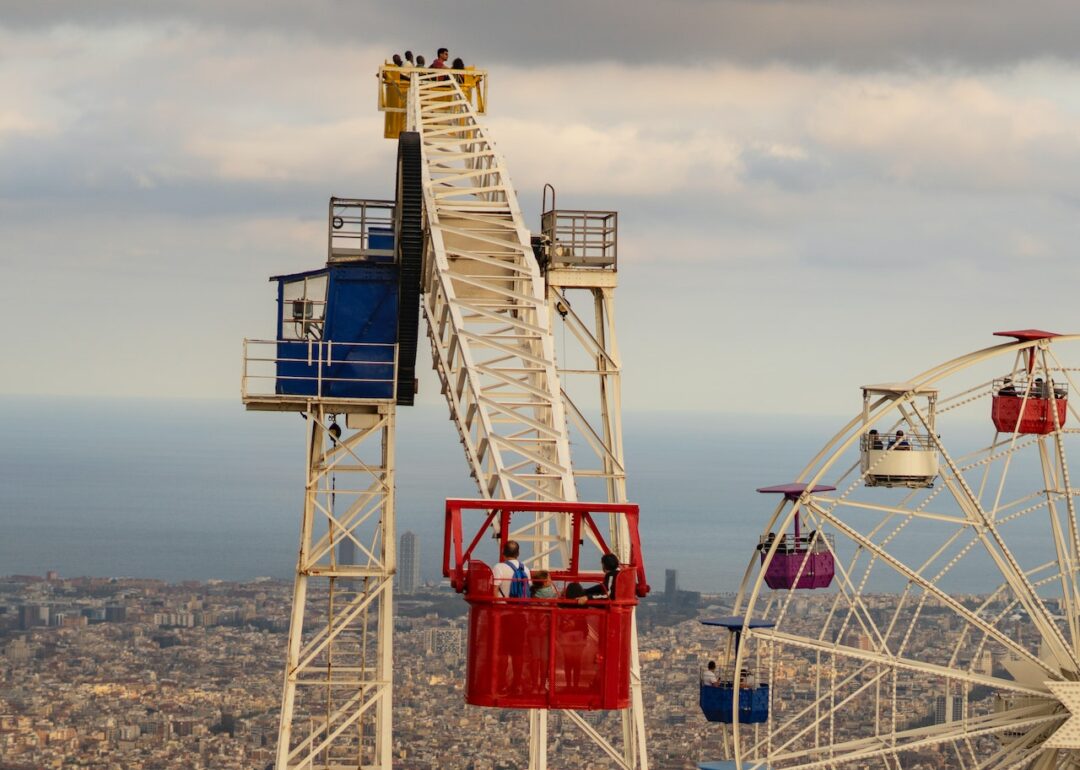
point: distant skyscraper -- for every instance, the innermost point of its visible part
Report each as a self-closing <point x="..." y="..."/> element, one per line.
<point x="408" y="564"/>
<point x="671" y="585"/>
<point x="33" y="615"/>
<point x="346" y="552"/>
<point x="948" y="709"/>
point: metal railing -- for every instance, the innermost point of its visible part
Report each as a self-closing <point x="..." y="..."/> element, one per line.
<point x="1035" y="388"/>
<point x="394" y="83"/>
<point x="359" y="229"/>
<point x="581" y="238"/>
<point x="800" y="544"/>
<point x="310" y="369"/>
<point x="915" y="442"/>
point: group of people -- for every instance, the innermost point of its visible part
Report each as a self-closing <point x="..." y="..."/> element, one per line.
<point x="442" y="56"/>
<point x="513" y="580"/>
<point x="897" y="441"/>
<point x="1039" y="389"/>
<point x="526" y="654"/>
<point x="792" y="544"/>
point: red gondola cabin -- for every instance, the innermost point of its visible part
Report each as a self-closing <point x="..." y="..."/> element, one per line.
<point x="1027" y="403"/>
<point x="546" y="653"/>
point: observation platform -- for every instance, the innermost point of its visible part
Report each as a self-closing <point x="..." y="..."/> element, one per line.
<point x="394" y="89"/>
<point x="341" y="328"/>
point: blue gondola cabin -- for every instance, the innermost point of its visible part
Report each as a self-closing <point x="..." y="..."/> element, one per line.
<point x="735" y="695"/>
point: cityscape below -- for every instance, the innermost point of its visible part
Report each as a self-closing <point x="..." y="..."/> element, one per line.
<point x="137" y="674"/>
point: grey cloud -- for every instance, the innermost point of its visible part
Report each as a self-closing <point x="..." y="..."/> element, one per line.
<point x="792" y="174"/>
<point x="854" y="34"/>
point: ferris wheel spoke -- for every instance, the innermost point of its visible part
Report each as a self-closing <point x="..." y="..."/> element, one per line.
<point x="1015" y="753"/>
<point x="1006" y="563"/>
<point x="893" y="744"/>
<point x="929" y="587"/>
<point x="802" y="719"/>
<point x="1063" y="544"/>
<point x="848" y="591"/>
<point x="1072" y="552"/>
<point x="899" y="662"/>
<point x="894" y="510"/>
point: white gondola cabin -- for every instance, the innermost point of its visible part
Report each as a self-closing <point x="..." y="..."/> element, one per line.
<point x="900" y="457"/>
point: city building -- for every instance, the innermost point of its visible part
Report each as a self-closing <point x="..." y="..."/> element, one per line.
<point x="671" y="585"/>
<point x="948" y="709"/>
<point x="32" y="615"/>
<point x="408" y="573"/>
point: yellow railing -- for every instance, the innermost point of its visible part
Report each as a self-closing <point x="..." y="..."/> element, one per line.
<point x="394" y="89"/>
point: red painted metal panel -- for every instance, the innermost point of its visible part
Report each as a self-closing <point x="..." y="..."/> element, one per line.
<point x="545" y="653"/>
<point x="1037" y="416"/>
<point x="1026" y="335"/>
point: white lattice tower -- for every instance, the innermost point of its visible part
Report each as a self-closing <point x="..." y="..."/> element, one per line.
<point x="337" y="695"/>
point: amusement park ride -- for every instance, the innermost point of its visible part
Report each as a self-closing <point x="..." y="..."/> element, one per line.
<point x="952" y="565"/>
<point x="453" y="246"/>
<point x="941" y="566"/>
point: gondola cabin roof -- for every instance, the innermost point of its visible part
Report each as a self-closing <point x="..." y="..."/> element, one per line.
<point x="795" y="491"/>
<point x="297" y="276"/>
<point x="898" y="389"/>
<point x="737" y="622"/>
<point x="1026" y="335"/>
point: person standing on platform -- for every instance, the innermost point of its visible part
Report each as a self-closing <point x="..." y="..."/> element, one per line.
<point x="440" y="59"/>
<point x="512" y="581"/>
<point x="512" y="577"/>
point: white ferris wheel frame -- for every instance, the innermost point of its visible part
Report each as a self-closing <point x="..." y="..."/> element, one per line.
<point x="1042" y="698"/>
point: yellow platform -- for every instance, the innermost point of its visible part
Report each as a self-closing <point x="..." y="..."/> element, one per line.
<point x="394" y="91"/>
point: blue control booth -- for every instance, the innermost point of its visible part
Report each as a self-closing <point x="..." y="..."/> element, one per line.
<point x="337" y="331"/>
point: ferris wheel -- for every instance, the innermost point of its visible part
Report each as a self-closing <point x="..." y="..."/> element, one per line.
<point x="914" y="599"/>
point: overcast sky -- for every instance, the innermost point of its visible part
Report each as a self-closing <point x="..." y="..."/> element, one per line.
<point x="812" y="195"/>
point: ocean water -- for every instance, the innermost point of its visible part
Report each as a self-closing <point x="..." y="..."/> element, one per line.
<point x="202" y="489"/>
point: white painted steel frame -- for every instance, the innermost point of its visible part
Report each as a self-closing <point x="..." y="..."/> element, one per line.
<point x="337" y="693"/>
<point x="600" y="394"/>
<point x="485" y="304"/>
<point x="1031" y="702"/>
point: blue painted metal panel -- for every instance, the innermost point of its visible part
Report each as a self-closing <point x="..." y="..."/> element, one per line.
<point x="716" y="701"/>
<point x="382" y="239"/>
<point x="355" y="357"/>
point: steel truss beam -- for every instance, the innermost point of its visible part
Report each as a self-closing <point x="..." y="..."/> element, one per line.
<point x="337" y="696"/>
<point x="486" y="306"/>
<point x="597" y="418"/>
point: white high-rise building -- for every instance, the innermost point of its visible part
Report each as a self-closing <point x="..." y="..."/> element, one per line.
<point x="408" y="564"/>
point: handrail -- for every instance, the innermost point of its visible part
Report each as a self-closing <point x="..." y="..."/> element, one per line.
<point x="915" y="442"/>
<point x="1032" y="387"/>
<point x="286" y="369"/>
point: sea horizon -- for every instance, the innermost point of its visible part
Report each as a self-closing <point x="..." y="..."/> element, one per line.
<point x="197" y="489"/>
